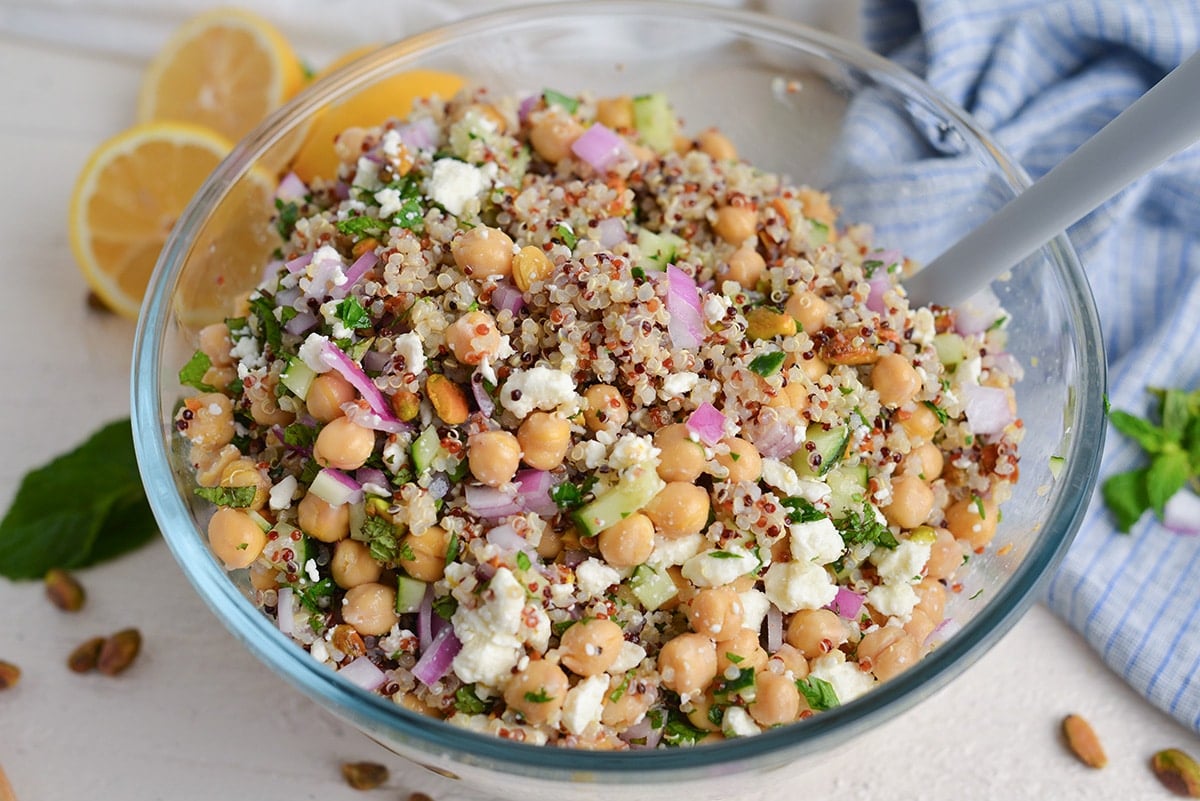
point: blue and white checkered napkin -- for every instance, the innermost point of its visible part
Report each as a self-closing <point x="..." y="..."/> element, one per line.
<point x="1043" y="77"/>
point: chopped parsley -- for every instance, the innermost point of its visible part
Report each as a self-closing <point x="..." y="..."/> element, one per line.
<point x="539" y="697"/>
<point x="939" y="412"/>
<point x="818" y="692"/>
<point x="567" y="234"/>
<point x="285" y="222"/>
<point x="352" y="314"/>
<point x="870" y="266"/>
<point x="859" y="528"/>
<point x="361" y="227"/>
<point x="620" y="689"/>
<point x="768" y="364"/>
<point x="678" y="731"/>
<point x="298" y="435"/>
<point x="467" y="702"/>
<point x="192" y="373"/>
<point x="445" y="606"/>
<point x="383" y="539"/>
<point x="800" y="510"/>
<point x="568" y="495"/>
<point x="724" y="555"/>
<point x="980" y="509"/>
<point x="716" y="715"/>
<point x="734" y="658"/>
<point x="452" y="548"/>
<point x="268" y="325"/>
<point x="727" y="688"/>
<point x="998" y="323"/>
<point x="555" y="98"/>
<point x="523" y="560"/>
<point x="638" y="273"/>
<point x="312" y="595"/>
<point x="233" y="497"/>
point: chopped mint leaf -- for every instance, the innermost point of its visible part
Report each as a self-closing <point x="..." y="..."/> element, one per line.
<point x="768" y="363"/>
<point x="818" y="692"/>
<point x="723" y="555"/>
<point x="467" y="702"/>
<point x="452" y="549"/>
<point x="268" y="326"/>
<point x="445" y="606"/>
<point x="567" y="234"/>
<point x="352" y="314"/>
<point x="192" y="373"/>
<point x="285" y="220"/>
<point x="870" y="266"/>
<point x="233" y="497"/>
<point x="361" y="227"/>
<point x="801" y="510"/>
<point x="941" y="414"/>
<point x="312" y="595"/>
<point x="678" y="731"/>
<point x="554" y="98"/>
<point x="539" y="697"/>
<point x="857" y="528"/>
<point x="298" y="435"/>
<point x="523" y="560"/>
<point x="568" y="496"/>
<point x="383" y="539"/>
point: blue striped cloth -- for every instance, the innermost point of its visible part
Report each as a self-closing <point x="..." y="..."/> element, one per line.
<point x="1043" y="77"/>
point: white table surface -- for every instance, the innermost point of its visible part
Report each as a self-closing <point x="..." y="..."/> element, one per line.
<point x="198" y="718"/>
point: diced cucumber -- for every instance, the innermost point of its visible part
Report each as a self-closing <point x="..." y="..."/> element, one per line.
<point x="847" y="489"/>
<point x="819" y="232"/>
<point x="409" y="594"/>
<point x="259" y="520"/>
<point x="950" y="348"/>
<point x="425" y="449"/>
<point x="1056" y="465"/>
<point x="652" y="586"/>
<point x="655" y="121"/>
<point x="829" y="446"/>
<point x="633" y="492"/>
<point x="298" y="377"/>
<point x="658" y="250"/>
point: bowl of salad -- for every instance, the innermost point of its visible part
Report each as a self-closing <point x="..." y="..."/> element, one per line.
<point x="569" y="426"/>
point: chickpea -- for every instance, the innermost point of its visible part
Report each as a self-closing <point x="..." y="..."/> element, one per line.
<point x="889" y="651"/>
<point x="716" y="145"/>
<point x="235" y="538"/>
<point x="793" y="396"/>
<point x="933" y="599"/>
<point x="537" y="692"/>
<point x="219" y="377"/>
<point x="483" y="252"/>
<point x="814" y="368"/>
<point x="628" y="542"/>
<point x="682" y="459"/>
<point x="925" y="462"/>
<point x="263" y="576"/>
<point x="912" y="501"/>
<point x="353" y="565"/>
<point x="210" y="465"/>
<point x="428" y="551"/>
<point x="264" y="408"/>
<point x="214" y="341"/>
<point x="326" y="395"/>
<point x="965" y="522"/>
<point x="745" y="266"/>
<point x="591" y="646"/>
<point x="552" y="136"/>
<point x="697" y="710"/>
<point x="895" y="379"/>
<point x="776" y="699"/>
<point x="493" y="457"/>
<point x="606" y="409"/>
<point x="615" y="112"/>
<point x="946" y="556"/>
<point x="809" y="310"/>
<point x="321" y="521"/>
<point x="735" y="224"/>
<point x="875" y="642"/>
<point x="792" y="660"/>
<point x="551" y="545"/>
<point x="740" y="650"/>
<point x="688" y="664"/>
<point x="208" y="420"/>
<point x="715" y="612"/>
<point x="245" y="473"/>
<point x="474" y="337"/>
<point x="544" y="439"/>
<point x="816" y="632"/>
<point x="679" y="509"/>
<point x="919" y="627"/>
<point x="343" y="444"/>
<point x="922" y="424"/>
<point x="485" y="111"/>
<point x="743" y="460"/>
<point x="685" y="590"/>
<point x="630" y="707"/>
<point x="370" y="608"/>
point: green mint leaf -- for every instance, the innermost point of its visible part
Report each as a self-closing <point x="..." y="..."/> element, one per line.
<point x="445" y="607"/>
<point x="723" y="555"/>
<point x="870" y="266"/>
<point x="567" y="234"/>
<point x="1175" y="414"/>
<point x="411" y="216"/>
<point x="1126" y="497"/>
<point x="299" y="435"/>
<point x="617" y="693"/>
<point x="554" y="98"/>
<point x="361" y="227"/>
<point x="352" y="314"/>
<point x="233" y="497"/>
<point x="1149" y="436"/>
<point x="568" y="496"/>
<point x="801" y="510"/>
<point x="192" y="373"/>
<point x="83" y="507"/>
<point x="523" y="560"/>
<point x="467" y="702"/>
<point x="1168" y="473"/>
<point x="818" y="692"/>
<point x="768" y="363"/>
<point x="383" y="539"/>
<point x="857" y="528"/>
<point x="452" y="549"/>
<point x="539" y="697"/>
<point x="264" y="311"/>
<point x="285" y="220"/>
<point x="941" y="414"/>
<point x="678" y="731"/>
<point x="315" y="597"/>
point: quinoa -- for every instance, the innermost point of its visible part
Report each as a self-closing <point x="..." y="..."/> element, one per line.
<point x="594" y="435"/>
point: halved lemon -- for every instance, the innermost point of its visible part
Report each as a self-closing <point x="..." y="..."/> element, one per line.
<point x="225" y="69"/>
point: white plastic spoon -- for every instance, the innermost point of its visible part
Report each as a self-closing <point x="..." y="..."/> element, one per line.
<point x="1158" y="125"/>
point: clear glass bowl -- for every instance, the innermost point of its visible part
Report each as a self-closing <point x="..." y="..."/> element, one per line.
<point x="795" y="101"/>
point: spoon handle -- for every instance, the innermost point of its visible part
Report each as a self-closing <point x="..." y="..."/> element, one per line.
<point x="1157" y="126"/>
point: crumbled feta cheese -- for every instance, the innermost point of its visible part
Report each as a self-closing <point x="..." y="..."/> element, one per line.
<point x="366" y="175"/>
<point x="590" y="452"/>
<point x="754" y="608"/>
<point x="817" y="541"/>
<point x="391" y="143"/>
<point x="923" y="326"/>
<point x="537" y="635"/>
<point x="584" y="703"/>
<point x="848" y="681"/>
<point x="717" y="568"/>
<point x="389" y="201"/>
<point x="490" y="645"/>
<point x="783" y="478"/>
<point x="310" y="569"/>
<point x="454" y="182"/>
<point x="793" y="586"/>
<point x="539" y="388"/>
<point x="715" y="307"/>
<point x="487" y="371"/>
<point x="737" y="723"/>
<point x="319" y="651"/>
<point x="668" y="552"/>
<point x="902" y="564"/>
<point x="324" y="272"/>
<point x="247" y="352"/>
<point x="310" y="353"/>
<point x="562" y="595"/>
<point x="281" y="494"/>
<point x="630" y="657"/>
<point x="631" y="451"/>
<point x="893" y="600"/>
<point x="679" y="384"/>
<point x="593" y="577"/>
<point x="409" y="348"/>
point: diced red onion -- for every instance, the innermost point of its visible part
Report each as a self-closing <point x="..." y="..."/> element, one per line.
<point x="270" y="270"/>
<point x="879" y="284"/>
<point x="364" y="673"/>
<point x="942" y="632"/>
<point x="371" y="475"/>
<point x="291" y="188"/>
<point x="987" y="408"/>
<point x="365" y="417"/>
<point x="361" y="266"/>
<point x="299" y="263"/>
<point x="506" y="297"/>
<point x="335" y="487"/>
<point x="333" y="357"/>
<point x="1182" y="512"/>
<point x="425" y="619"/>
<point x="707" y="423"/>
<point x="599" y="146"/>
<point x="575" y="557"/>
<point x="977" y="313"/>
<point x="506" y="538"/>
<point x="285" y="610"/>
<point x="341" y="190"/>
<point x="1007" y="364"/>
<point x="775" y="438"/>
<point x="847" y="603"/>
<point x="482" y="398"/>
<point x="611" y="232"/>
<point x="375" y="361"/>
<point x="436" y="660"/>
<point x="490" y="503"/>
<point x="301" y="324"/>
<point x="526" y="106"/>
<point x="287" y="297"/>
<point x="686" y="324"/>
<point x="533" y="492"/>
<point x="774" y="629"/>
<point x="420" y="134"/>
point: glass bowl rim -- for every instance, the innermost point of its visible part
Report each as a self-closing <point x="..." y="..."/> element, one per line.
<point x="283" y="656"/>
